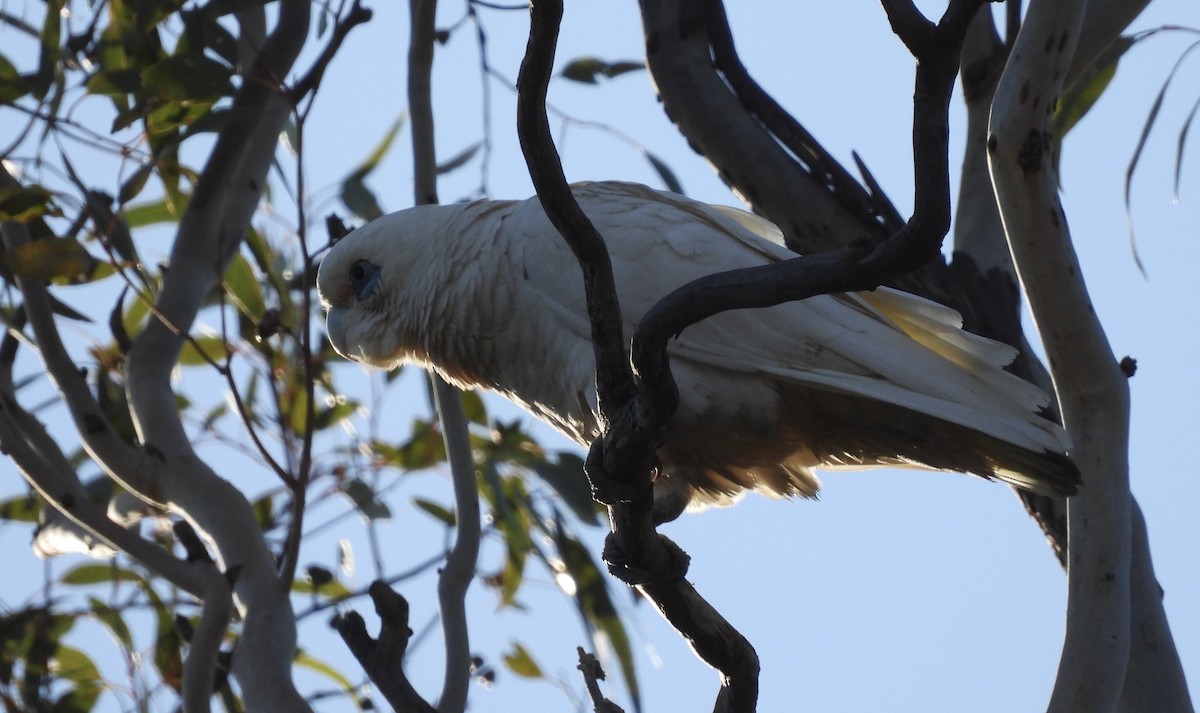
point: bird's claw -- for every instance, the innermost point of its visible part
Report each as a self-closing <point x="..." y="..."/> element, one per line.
<point x="655" y="565"/>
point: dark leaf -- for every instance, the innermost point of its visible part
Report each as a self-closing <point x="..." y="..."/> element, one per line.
<point x="25" y="203"/>
<point x="188" y="77"/>
<point x="588" y="69"/>
<point x="364" y="500"/>
<point x="22" y="508"/>
<point x="665" y="173"/>
<point x="12" y="85"/>
<point x="460" y="159"/>
<point x="359" y="199"/>
<point x="567" y="478"/>
<point x="48" y="56"/>
<point x="591" y="595"/>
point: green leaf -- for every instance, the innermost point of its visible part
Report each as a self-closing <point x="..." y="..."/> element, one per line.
<point x="439" y="512"/>
<point x="364" y="499"/>
<point x="112" y="620"/>
<point x="591" y="594"/>
<point x="243" y="288"/>
<point x="567" y="477"/>
<point x="665" y="173"/>
<point x="71" y="664"/>
<point x="306" y="660"/>
<point x="49" y="258"/>
<point x="168" y="647"/>
<point x="12" y="85"/>
<point x="381" y="149"/>
<point x="473" y="407"/>
<point x="24" y="203"/>
<point x="342" y="409"/>
<point x="22" y="508"/>
<point x="588" y="69"/>
<point x="48" y="56"/>
<point x="187" y="77"/>
<point x="116" y="83"/>
<point x="133" y="185"/>
<point x="85" y="574"/>
<point x="521" y="663"/>
<point x="330" y="590"/>
<point x="202" y="351"/>
<point x="355" y="194"/>
<point x="143" y="214"/>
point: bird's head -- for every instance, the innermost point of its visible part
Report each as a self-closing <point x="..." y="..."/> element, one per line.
<point x="363" y="283"/>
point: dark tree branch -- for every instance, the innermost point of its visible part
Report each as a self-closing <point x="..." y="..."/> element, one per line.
<point x="634" y="550"/>
<point x="593" y="673"/>
<point x="381" y="657"/>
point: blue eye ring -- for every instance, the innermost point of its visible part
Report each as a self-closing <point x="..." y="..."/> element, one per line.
<point x="364" y="279"/>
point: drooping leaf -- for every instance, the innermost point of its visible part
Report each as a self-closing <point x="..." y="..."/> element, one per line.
<point x="567" y="478"/>
<point x="1151" y="118"/>
<point x="595" y="604"/>
<point x="521" y="663"/>
<point x="460" y="159"/>
<point x="312" y="663"/>
<point x="112" y="620"/>
<point x="443" y="514"/>
<point x="1083" y="93"/>
<point x="665" y="173"/>
<point x="243" y="288"/>
<point x="588" y="69"/>
<point x="358" y="198"/>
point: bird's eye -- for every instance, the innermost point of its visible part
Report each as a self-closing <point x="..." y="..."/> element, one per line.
<point x="364" y="278"/>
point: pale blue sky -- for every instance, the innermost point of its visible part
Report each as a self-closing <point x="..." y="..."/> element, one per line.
<point x="897" y="591"/>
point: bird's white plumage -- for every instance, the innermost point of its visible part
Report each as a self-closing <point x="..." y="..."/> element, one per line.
<point x="489" y="295"/>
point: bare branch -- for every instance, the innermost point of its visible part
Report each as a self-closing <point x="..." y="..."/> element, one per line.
<point x="1091" y="388"/>
<point x="459" y="571"/>
<point x="381" y="658"/>
<point x="634" y="551"/>
<point x="211" y="231"/>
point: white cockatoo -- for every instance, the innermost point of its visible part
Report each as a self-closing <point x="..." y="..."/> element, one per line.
<point x="488" y="295"/>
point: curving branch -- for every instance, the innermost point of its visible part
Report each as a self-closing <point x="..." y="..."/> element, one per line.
<point x="1092" y="390"/>
<point x="459" y="570"/>
<point x="210" y="233"/>
<point x="634" y="550"/>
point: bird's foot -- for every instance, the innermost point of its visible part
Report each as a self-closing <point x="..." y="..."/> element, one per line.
<point x="606" y="489"/>
<point x="657" y="562"/>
